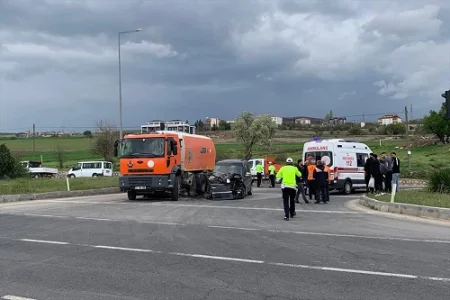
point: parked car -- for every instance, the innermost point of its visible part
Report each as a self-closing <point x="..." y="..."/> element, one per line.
<point x="36" y="170"/>
<point x="91" y="169"/>
<point x="231" y="178"/>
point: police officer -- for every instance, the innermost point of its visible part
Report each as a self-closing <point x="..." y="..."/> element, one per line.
<point x="287" y="175"/>
<point x="259" y="173"/>
<point x="272" y="172"/>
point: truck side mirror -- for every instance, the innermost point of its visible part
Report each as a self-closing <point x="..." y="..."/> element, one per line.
<point x="116" y="146"/>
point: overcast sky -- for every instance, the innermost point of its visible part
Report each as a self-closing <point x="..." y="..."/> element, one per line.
<point x="200" y="58"/>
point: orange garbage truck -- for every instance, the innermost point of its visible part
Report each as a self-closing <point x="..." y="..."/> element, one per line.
<point x="164" y="162"/>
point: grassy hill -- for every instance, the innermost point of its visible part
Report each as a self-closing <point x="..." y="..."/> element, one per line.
<point x="424" y="156"/>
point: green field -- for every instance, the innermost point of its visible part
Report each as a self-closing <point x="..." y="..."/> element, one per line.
<point x="29" y="186"/>
<point x="423" y="158"/>
<point x="419" y="197"/>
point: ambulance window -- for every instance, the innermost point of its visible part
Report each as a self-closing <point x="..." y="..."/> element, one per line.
<point x="319" y="155"/>
<point x="361" y="159"/>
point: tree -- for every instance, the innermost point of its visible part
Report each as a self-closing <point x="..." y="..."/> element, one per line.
<point x="103" y="145"/>
<point x="252" y="130"/>
<point x="9" y="166"/>
<point x="199" y="125"/>
<point x="88" y="134"/>
<point x="355" y="130"/>
<point x="223" y="125"/>
<point x="438" y="124"/>
<point x="60" y="156"/>
<point x="329" y="116"/>
<point x="395" y="129"/>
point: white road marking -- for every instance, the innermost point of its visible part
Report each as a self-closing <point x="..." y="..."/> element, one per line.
<point x="439" y="241"/>
<point x="44" y="241"/>
<point x="12" y="297"/>
<point x="257" y="208"/>
<point x="335" y="234"/>
<point x="125" y="249"/>
<point x="244" y="260"/>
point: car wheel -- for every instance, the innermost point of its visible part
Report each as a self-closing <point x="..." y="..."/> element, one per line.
<point x="348" y="187"/>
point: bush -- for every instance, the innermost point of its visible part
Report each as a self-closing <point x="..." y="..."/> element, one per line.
<point x="9" y="166"/>
<point x="439" y="181"/>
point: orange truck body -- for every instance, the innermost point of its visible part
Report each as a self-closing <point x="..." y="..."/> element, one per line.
<point x="179" y="156"/>
<point x="271" y="159"/>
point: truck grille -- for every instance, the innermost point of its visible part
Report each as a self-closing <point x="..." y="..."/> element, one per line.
<point x="144" y="181"/>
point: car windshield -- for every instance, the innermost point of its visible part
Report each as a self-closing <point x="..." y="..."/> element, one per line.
<point x="228" y="168"/>
<point x="151" y="147"/>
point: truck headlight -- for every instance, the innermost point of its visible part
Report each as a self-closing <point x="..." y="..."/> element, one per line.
<point x="228" y="180"/>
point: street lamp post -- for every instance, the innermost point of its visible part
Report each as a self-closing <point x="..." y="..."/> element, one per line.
<point x="120" y="78"/>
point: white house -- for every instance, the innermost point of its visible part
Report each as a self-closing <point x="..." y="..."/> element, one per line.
<point x="212" y="122"/>
<point x="389" y="119"/>
<point x="173" y="125"/>
<point x="277" y="120"/>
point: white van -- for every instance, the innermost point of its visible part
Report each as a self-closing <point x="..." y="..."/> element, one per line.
<point x="252" y="165"/>
<point x="346" y="160"/>
<point x="91" y="169"/>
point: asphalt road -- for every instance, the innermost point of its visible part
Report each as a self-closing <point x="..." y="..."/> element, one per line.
<point x="106" y="247"/>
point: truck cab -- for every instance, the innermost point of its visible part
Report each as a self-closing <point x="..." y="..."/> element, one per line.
<point x="164" y="162"/>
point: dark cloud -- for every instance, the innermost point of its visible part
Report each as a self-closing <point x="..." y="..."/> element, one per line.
<point x="198" y="58"/>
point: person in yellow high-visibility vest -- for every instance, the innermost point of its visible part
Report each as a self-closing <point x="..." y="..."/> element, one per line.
<point x="259" y="173"/>
<point x="287" y="175"/>
<point x="272" y="173"/>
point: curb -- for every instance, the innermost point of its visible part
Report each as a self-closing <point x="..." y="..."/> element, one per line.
<point x="406" y="209"/>
<point x="55" y="195"/>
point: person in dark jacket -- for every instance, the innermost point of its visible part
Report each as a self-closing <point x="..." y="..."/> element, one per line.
<point x="395" y="170"/>
<point x="300" y="182"/>
<point x="367" y="173"/>
<point x="320" y="176"/>
<point x="375" y="172"/>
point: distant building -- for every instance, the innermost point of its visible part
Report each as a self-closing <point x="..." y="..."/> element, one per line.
<point x="389" y="119"/>
<point x="337" y="121"/>
<point x="211" y="122"/>
<point x="288" y="121"/>
<point x="277" y="120"/>
<point x="307" y="121"/>
<point x="173" y="125"/>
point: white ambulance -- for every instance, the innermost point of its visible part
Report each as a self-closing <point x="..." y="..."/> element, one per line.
<point x="346" y="160"/>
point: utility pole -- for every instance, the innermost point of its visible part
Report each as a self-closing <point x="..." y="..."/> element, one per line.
<point x="411" y="113"/>
<point x="34" y="137"/>
<point x="407" y="136"/>
<point x="120" y="78"/>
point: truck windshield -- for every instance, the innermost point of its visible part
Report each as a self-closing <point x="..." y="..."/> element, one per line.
<point x="151" y="147"/>
<point x="325" y="156"/>
<point x="228" y="168"/>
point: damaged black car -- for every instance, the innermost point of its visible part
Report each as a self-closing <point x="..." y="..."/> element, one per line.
<point x="231" y="179"/>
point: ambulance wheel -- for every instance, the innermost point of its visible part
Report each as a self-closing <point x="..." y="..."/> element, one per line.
<point x="348" y="187"/>
<point x="131" y="195"/>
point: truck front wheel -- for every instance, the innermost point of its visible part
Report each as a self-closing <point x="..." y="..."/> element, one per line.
<point x="131" y="195"/>
<point x="176" y="189"/>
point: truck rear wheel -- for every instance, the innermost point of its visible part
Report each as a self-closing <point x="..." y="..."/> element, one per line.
<point x="176" y="189"/>
<point x="131" y="195"/>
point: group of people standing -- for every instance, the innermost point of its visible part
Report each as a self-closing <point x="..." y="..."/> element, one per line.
<point x="310" y="178"/>
<point x="381" y="173"/>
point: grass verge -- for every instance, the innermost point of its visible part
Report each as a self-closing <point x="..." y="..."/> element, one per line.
<point x="419" y="197"/>
<point x="44" y="185"/>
